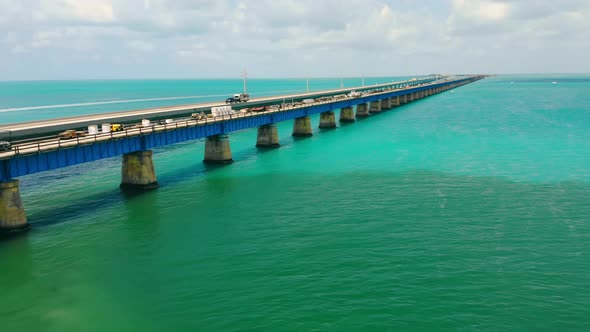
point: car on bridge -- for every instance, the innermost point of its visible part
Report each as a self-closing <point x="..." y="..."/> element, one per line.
<point x="117" y="127"/>
<point x="5" y="146"/>
<point x="198" y="116"/>
<point x="69" y="134"/>
<point x="238" y="98"/>
<point x="260" y="109"/>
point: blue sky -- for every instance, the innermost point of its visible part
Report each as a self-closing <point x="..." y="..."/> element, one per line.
<point x="88" y="39"/>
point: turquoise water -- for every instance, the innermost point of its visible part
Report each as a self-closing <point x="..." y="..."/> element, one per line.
<point x="464" y="211"/>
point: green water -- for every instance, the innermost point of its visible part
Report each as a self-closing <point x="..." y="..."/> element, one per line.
<point x="464" y="211"/>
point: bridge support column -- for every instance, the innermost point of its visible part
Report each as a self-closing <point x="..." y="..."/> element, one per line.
<point x="395" y="101"/>
<point x="362" y="110"/>
<point x="327" y="120"/>
<point x="138" y="171"/>
<point x="302" y="127"/>
<point x="217" y="150"/>
<point x="347" y="114"/>
<point x="268" y="136"/>
<point x="12" y="212"/>
<point x="386" y="104"/>
<point x="375" y="107"/>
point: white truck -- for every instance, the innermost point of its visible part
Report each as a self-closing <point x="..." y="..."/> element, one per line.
<point x="238" y="98"/>
<point x="355" y="94"/>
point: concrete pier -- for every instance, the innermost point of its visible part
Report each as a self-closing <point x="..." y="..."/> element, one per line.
<point x="12" y="212"/>
<point x="268" y="136"/>
<point x="327" y="120"/>
<point x="138" y="171"/>
<point x="403" y="99"/>
<point x="347" y="114"/>
<point x="386" y="104"/>
<point x="375" y="107"/>
<point x="362" y="111"/>
<point x="302" y="127"/>
<point x="217" y="150"/>
<point x="395" y="101"/>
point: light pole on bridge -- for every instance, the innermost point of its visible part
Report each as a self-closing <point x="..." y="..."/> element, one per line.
<point x="244" y="75"/>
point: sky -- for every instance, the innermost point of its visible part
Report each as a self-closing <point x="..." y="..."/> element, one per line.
<point x="115" y="39"/>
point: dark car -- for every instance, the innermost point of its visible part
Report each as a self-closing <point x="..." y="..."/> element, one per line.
<point x="231" y="100"/>
<point x="5" y="146"/>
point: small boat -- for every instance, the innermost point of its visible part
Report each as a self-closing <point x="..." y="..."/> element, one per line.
<point x="553" y="82"/>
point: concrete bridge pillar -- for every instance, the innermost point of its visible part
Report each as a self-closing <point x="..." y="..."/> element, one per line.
<point x="302" y="127"/>
<point x="12" y="212"/>
<point x="395" y="101"/>
<point x="362" y="110"/>
<point x="403" y="99"/>
<point x="375" y="107"/>
<point x="386" y="104"/>
<point x="217" y="150"/>
<point x="268" y="136"/>
<point x="138" y="171"/>
<point x="327" y="120"/>
<point x="347" y="114"/>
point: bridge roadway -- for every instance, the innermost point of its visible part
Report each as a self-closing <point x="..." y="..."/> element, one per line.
<point x="32" y="129"/>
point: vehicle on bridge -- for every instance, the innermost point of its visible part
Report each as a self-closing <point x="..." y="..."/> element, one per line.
<point x="71" y="133"/>
<point x="198" y="116"/>
<point x="238" y="98"/>
<point x="5" y="146"/>
<point x="260" y="109"/>
<point x="117" y="127"/>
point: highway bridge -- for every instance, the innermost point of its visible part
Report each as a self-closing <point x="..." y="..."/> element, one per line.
<point x="36" y="146"/>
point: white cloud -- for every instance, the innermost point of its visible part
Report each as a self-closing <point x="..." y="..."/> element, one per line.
<point x="140" y="45"/>
<point x="91" y="11"/>
<point x="292" y="37"/>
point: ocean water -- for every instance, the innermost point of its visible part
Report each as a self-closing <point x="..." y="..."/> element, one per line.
<point x="463" y="211"/>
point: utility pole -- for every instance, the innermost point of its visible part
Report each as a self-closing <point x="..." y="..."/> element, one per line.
<point x="363" y="81"/>
<point x="244" y="75"/>
<point x="341" y="84"/>
<point x="308" y="84"/>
